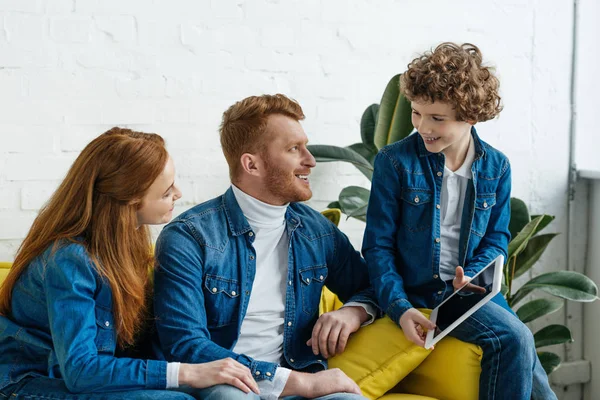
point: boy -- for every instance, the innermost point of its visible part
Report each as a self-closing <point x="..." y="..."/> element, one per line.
<point x="439" y="212"/>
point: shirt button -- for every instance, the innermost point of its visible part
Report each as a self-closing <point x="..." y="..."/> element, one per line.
<point x="307" y="280"/>
<point x="290" y="323"/>
<point x="484" y="205"/>
<point x="214" y="290"/>
<point x="437" y="240"/>
<point x="435" y="276"/>
<point x="439" y="174"/>
<point x="257" y="373"/>
<point x="252" y="257"/>
<point x="438" y="206"/>
<point x="250" y="234"/>
<point x="321" y="277"/>
<point x="290" y="283"/>
<point x="440" y="292"/>
<point x="107" y="323"/>
<point x="417" y="199"/>
<point x="233" y="293"/>
<point x="291" y="360"/>
<point x="268" y="374"/>
<point x="247" y="293"/>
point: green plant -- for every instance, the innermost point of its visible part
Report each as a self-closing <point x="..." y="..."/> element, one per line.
<point x="380" y="125"/>
<point x="391" y="121"/>
<point x="524" y="250"/>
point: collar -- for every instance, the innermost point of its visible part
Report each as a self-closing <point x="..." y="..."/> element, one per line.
<point x="257" y="213"/>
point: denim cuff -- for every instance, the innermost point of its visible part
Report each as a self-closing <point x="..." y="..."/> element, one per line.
<point x="397" y="309"/>
<point x="262" y="370"/>
<point x="156" y="374"/>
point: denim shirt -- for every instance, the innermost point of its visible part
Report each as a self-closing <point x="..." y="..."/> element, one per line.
<point x="62" y="326"/>
<point x="402" y="238"/>
<point x="205" y="272"/>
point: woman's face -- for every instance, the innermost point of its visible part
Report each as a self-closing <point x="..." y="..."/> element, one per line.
<point x="158" y="202"/>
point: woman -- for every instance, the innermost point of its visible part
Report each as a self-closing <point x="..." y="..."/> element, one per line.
<point x="77" y="289"/>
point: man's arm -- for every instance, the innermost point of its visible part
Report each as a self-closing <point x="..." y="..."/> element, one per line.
<point x="180" y="308"/>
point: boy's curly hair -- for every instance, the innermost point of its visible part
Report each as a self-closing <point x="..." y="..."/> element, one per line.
<point x="454" y="74"/>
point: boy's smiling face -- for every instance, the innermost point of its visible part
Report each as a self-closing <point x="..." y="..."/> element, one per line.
<point x="442" y="133"/>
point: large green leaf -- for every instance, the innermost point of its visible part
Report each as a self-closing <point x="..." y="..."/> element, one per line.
<point x="550" y="361"/>
<point x="367" y="125"/>
<point x="326" y="153"/>
<point x="532" y="252"/>
<point x="354" y="200"/>
<point x="551" y="335"/>
<point x="334" y="204"/>
<point x="369" y="153"/>
<point x="538" y="308"/>
<point x="394" y="117"/>
<point x="520" y="241"/>
<point x="569" y="285"/>
<point x="519" y="216"/>
<point x="544" y="223"/>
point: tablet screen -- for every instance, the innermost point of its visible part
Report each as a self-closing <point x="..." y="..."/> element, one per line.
<point x="465" y="298"/>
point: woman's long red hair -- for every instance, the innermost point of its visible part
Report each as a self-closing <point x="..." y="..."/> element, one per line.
<point x="97" y="202"/>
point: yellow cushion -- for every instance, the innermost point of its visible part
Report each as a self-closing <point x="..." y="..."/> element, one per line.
<point x="451" y="372"/>
<point x="398" y="396"/>
<point x="4" y="268"/>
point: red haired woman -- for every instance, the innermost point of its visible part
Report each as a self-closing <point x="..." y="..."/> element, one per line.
<point x="77" y="289"/>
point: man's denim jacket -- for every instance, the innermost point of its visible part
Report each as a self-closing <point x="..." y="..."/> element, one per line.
<point x="204" y="275"/>
<point x="62" y="326"/>
<point x="402" y="237"/>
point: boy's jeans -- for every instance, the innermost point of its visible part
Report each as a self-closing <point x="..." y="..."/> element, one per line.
<point x="510" y="368"/>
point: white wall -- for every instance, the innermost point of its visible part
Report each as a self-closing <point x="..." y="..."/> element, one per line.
<point x="71" y="69"/>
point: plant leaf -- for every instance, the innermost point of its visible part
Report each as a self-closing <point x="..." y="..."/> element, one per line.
<point x="368" y="153"/>
<point x="552" y="334"/>
<point x="334" y="204"/>
<point x="353" y="199"/>
<point x="326" y="153"/>
<point x="519" y="216"/>
<point x="538" y="308"/>
<point x="550" y="361"/>
<point x="394" y="117"/>
<point x="333" y="214"/>
<point x="569" y="285"/>
<point x="532" y="252"/>
<point x="367" y="125"/>
<point x="520" y="241"/>
<point x="545" y="221"/>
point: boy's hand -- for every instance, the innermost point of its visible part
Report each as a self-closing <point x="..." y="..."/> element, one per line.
<point x="460" y="280"/>
<point x="412" y="323"/>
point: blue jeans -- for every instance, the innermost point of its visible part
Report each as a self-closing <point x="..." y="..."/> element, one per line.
<point x="226" y="392"/>
<point x="55" y="389"/>
<point x="510" y="368"/>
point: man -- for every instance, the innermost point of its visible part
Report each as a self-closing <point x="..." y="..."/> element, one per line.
<point x="240" y="276"/>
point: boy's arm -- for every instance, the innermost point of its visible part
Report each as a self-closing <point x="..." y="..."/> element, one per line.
<point x="180" y="308"/>
<point x="496" y="238"/>
<point x="379" y="243"/>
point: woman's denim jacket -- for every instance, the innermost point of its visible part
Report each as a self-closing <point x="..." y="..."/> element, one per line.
<point x="205" y="273"/>
<point x="62" y="326"/>
<point x="402" y="237"/>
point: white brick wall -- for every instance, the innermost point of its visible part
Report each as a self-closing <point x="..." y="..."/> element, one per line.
<point x="71" y="69"/>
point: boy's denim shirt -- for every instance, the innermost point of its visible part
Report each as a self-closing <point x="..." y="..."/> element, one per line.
<point x="205" y="271"/>
<point x="402" y="237"/>
<point x="62" y="326"/>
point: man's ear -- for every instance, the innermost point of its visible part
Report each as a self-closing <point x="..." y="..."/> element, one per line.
<point x="251" y="164"/>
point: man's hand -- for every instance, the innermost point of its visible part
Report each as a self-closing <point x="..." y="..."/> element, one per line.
<point x="413" y="323"/>
<point x="330" y="333"/>
<point x="319" y="384"/>
<point x="460" y="280"/>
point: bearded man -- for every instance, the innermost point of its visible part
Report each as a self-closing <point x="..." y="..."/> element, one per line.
<point x="240" y="276"/>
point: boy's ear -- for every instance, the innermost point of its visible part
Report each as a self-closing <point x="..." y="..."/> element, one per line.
<point x="250" y="164"/>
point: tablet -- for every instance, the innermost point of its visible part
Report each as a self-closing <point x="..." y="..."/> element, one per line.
<point x="465" y="301"/>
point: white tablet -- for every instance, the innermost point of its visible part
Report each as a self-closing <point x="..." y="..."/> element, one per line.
<point x="465" y="301"/>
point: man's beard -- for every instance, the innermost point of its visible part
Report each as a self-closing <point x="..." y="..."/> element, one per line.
<point x="284" y="185"/>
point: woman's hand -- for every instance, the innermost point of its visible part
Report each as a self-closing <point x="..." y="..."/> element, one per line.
<point x="226" y="371"/>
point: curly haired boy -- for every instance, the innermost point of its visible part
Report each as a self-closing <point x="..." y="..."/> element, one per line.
<point x="439" y="212"/>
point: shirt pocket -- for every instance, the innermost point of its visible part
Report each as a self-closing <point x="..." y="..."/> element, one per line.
<point x="484" y="203"/>
<point x="105" y="331"/>
<point x="222" y="300"/>
<point x="416" y="212"/>
<point x="312" y="281"/>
